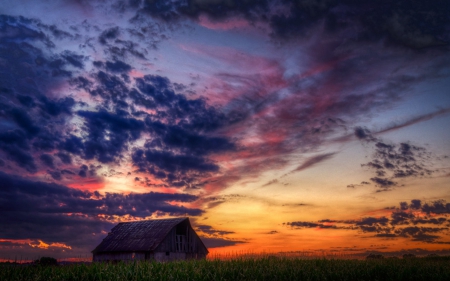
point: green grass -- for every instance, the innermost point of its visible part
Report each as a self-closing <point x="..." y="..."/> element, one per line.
<point x="269" y="268"/>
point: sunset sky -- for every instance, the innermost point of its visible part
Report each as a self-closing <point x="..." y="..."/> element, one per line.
<point x="275" y="125"/>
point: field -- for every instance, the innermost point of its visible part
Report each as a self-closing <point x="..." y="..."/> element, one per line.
<point x="267" y="268"/>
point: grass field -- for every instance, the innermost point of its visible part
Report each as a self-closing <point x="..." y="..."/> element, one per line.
<point x="268" y="268"/>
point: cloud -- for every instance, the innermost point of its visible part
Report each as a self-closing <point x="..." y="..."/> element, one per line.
<point x="313" y="161"/>
<point x="303" y="224"/>
<point x="109" y="34"/>
<point x="118" y="66"/>
<point x="213" y="242"/>
<point x="437" y="207"/>
<point x="61" y="199"/>
<point x="270" y="182"/>
<point x="402" y="223"/>
<point x="216" y="238"/>
<point x="399" y="160"/>
<point x="207" y="229"/>
<point x="414" y="120"/>
<point x="399" y="218"/>
<point x="392" y="162"/>
<point x="58" y="214"/>
<point x="108" y="132"/>
<point x="370" y="221"/>
<point x="285" y="113"/>
<point x="384" y="184"/>
<point x="363" y="22"/>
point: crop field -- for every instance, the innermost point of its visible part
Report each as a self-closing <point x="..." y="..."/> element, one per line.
<point x="269" y="268"/>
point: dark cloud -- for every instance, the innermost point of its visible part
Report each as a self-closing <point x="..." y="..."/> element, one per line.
<point x="170" y="166"/>
<point x="23" y="120"/>
<point x="214" y="242"/>
<point x="420" y="233"/>
<point x="73" y="200"/>
<point x="30" y="72"/>
<point x="56" y="175"/>
<point x="215" y="238"/>
<point x="57" y="107"/>
<point x="370" y="221"/>
<point x="383" y="183"/>
<point x="47" y="160"/>
<point x="386" y="235"/>
<point x="56" y="213"/>
<point x="356" y="185"/>
<point x="73" y="59"/>
<point x="117" y="66"/>
<point x="15" y="29"/>
<point x="402" y="223"/>
<point x="20" y="157"/>
<point x="65" y="158"/>
<point x="179" y="144"/>
<point x="415" y="204"/>
<point x="397" y="24"/>
<point x="186" y="140"/>
<point x="403" y="205"/>
<point x="108" y="135"/>
<point x="395" y="161"/>
<point x="437" y="207"/>
<point x="363" y="134"/>
<point x="401" y="218"/>
<point x="109" y="34"/>
<point x="429" y="221"/>
<point x="302" y="224"/>
<point x="209" y="230"/>
<point x="363" y="21"/>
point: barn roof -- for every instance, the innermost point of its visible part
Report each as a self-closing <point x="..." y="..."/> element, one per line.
<point x="137" y="236"/>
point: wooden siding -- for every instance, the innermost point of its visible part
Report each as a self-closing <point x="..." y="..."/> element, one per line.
<point x="128" y="256"/>
<point x="157" y="256"/>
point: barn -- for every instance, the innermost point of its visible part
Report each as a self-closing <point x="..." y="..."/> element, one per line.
<point x="160" y="240"/>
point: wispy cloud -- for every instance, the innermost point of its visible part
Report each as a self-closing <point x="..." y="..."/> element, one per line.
<point x="313" y="161"/>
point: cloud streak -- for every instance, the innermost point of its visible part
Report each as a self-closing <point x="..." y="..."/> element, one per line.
<point x="313" y="161"/>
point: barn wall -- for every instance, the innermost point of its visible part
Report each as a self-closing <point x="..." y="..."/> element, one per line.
<point x="197" y="245"/>
<point x="126" y="256"/>
<point x="193" y="245"/>
<point x="169" y="256"/>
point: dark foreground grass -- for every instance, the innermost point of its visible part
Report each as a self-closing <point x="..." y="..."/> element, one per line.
<point x="270" y="268"/>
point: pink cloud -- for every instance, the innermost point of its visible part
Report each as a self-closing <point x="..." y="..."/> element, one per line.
<point x="277" y="118"/>
<point x="230" y="23"/>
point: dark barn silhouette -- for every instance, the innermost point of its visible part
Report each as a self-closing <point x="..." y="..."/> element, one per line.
<point x="160" y="240"/>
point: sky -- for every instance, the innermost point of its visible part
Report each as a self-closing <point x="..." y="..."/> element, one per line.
<point x="274" y="125"/>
